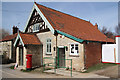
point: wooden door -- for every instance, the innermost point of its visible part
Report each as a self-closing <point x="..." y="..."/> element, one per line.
<point x="61" y="57"/>
<point x="21" y="56"/>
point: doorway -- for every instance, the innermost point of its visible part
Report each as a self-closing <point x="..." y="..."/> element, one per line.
<point x="21" y="56"/>
<point x="61" y="57"/>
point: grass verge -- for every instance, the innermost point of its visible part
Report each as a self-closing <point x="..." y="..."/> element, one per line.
<point x="99" y="67"/>
<point x="23" y="70"/>
<point x="11" y="67"/>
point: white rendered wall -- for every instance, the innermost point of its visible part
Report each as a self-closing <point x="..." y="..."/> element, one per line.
<point x="108" y="53"/>
<point x="118" y="49"/>
<point x="111" y="52"/>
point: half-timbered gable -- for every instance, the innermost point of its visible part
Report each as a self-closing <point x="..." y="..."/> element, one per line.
<point x="36" y="23"/>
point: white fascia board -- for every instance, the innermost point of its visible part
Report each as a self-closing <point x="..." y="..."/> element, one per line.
<point x="16" y="40"/>
<point x="21" y="40"/>
<point x="18" y="37"/>
<point x="44" y="19"/>
<point x="29" y="18"/>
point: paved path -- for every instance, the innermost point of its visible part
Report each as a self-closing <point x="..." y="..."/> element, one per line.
<point x="76" y="74"/>
<point x="10" y="73"/>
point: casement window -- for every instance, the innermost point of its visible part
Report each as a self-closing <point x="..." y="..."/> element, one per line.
<point x="48" y="46"/>
<point x="36" y="27"/>
<point x="74" y="49"/>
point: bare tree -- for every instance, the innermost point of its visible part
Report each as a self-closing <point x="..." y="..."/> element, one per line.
<point x="108" y="33"/>
<point x="117" y="29"/>
<point x="104" y="30"/>
<point x="4" y="33"/>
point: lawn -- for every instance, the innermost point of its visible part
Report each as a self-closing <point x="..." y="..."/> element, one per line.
<point x="99" y="67"/>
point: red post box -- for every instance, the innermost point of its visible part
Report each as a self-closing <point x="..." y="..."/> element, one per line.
<point x="29" y="61"/>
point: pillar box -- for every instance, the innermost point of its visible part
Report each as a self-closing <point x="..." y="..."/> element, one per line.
<point x="29" y="61"/>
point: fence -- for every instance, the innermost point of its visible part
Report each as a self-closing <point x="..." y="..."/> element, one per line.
<point x="55" y="63"/>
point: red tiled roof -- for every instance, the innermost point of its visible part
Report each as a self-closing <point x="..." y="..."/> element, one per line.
<point x="71" y="25"/>
<point x="9" y="37"/>
<point x="30" y="39"/>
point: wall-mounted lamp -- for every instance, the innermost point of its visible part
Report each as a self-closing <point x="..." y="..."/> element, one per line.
<point x="66" y="48"/>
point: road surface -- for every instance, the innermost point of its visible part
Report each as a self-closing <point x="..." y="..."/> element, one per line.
<point x="11" y="73"/>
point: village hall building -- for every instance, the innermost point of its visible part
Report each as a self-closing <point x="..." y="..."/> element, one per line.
<point x="51" y="33"/>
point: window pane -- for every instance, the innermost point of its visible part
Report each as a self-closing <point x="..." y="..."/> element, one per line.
<point x="34" y="28"/>
<point x="72" y="45"/>
<point x="72" y="48"/>
<point x="49" y="45"/>
<point x="76" y="47"/>
<point x="49" y="40"/>
<point x="37" y="26"/>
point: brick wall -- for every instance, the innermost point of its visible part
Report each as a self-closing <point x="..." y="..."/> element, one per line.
<point x="93" y="53"/>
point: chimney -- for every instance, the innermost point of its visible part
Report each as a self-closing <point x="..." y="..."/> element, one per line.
<point x="96" y="26"/>
<point x="15" y="29"/>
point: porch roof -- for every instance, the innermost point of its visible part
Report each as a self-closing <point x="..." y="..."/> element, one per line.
<point x="28" y="39"/>
<point x="9" y="37"/>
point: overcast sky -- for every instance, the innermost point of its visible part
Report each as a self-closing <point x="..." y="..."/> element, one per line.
<point x="102" y="13"/>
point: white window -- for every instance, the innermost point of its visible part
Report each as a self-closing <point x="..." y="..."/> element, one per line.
<point x="48" y="46"/>
<point x="36" y="27"/>
<point x="74" y="49"/>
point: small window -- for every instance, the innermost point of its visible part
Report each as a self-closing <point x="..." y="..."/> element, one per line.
<point x="74" y="49"/>
<point x="48" y="46"/>
<point x="36" y="27"/>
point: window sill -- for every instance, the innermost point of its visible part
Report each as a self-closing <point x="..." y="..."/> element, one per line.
<point x="48" y="53"/>
<point x="74" y="55"/>
<point x="36" y="31"/>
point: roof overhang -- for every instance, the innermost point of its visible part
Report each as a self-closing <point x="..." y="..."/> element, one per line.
<point x="17" y="39"/>
<point x="70" y="36"/>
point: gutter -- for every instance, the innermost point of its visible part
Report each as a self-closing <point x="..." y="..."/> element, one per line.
<point x="70" y="36"/>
